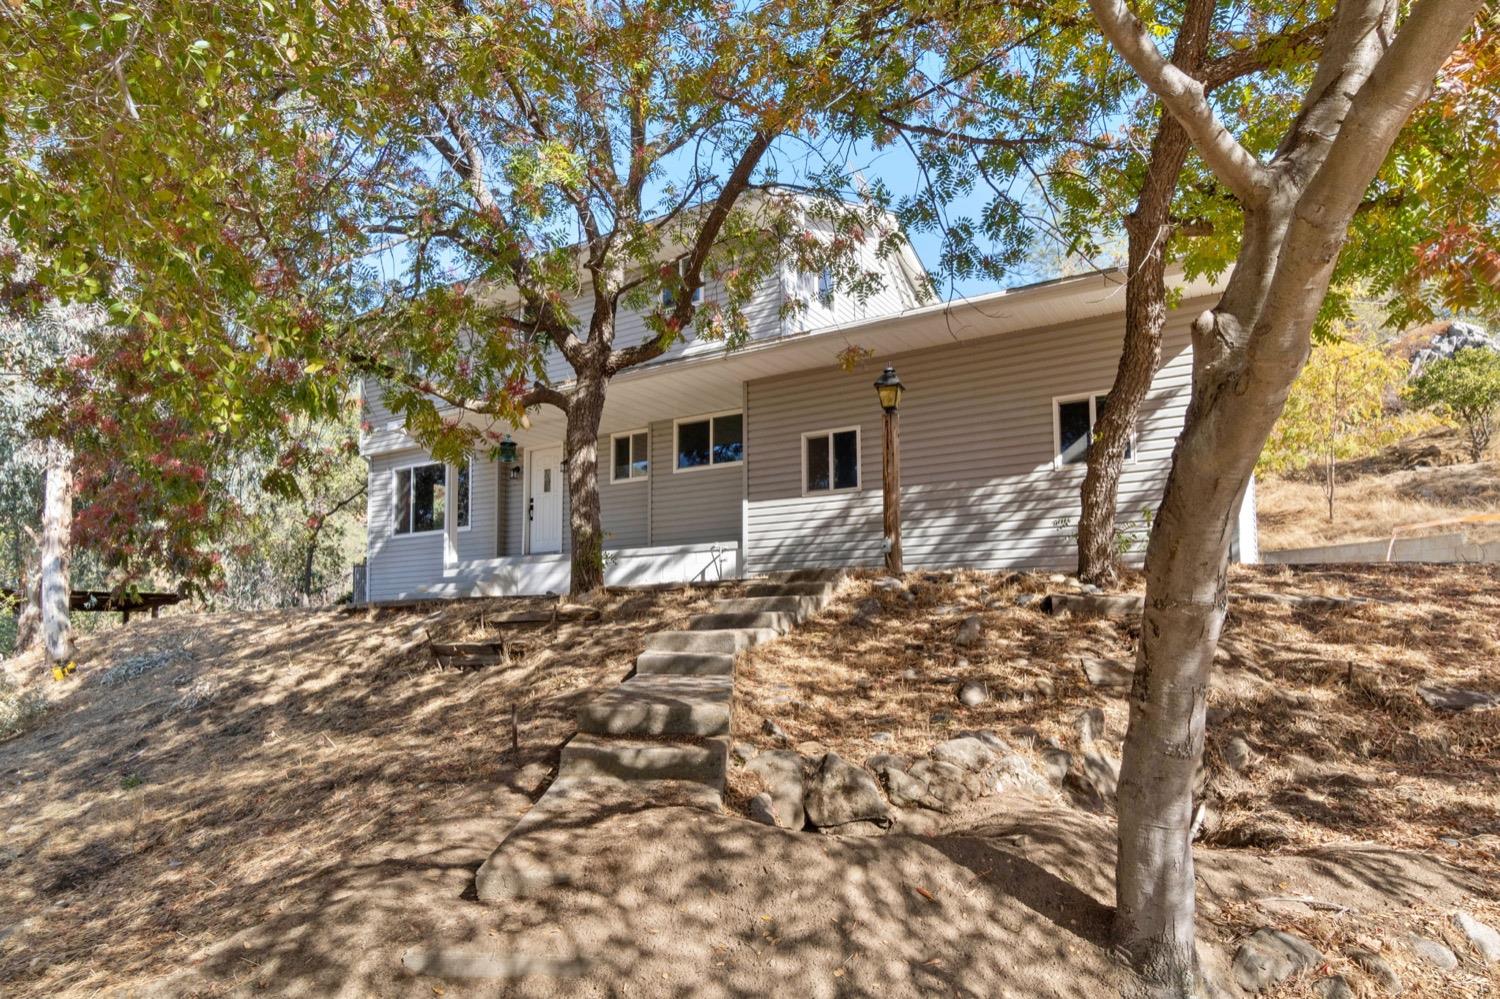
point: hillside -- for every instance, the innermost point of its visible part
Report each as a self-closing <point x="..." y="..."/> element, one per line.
<point x="1417" y="486"/>
<point x="281" y="804"/>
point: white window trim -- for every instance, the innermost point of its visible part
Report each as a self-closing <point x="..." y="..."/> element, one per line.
<point x="1092" y="398"/>
<point x="436" y="530"/>
<point x="744" y="451"/>
<point x="859" y="461"/>
<point x="630" y="434"/>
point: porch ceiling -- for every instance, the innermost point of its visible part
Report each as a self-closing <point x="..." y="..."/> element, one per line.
<point x="707" y="378"/>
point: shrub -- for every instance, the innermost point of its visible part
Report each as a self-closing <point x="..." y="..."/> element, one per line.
<point x="1465" y="387"/>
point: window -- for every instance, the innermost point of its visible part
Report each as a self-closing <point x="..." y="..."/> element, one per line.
<point x="830" y="461"/>
<point x="629" y="458"/>
<point x="421" y="498"/>
<point x="666" y="292"/>
<point x="825" y="283"/>
<point x="1073" y="428"/>
<point x="710" y="440"/>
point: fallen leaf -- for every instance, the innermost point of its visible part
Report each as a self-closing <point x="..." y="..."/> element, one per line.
<point x="924" y="893"/>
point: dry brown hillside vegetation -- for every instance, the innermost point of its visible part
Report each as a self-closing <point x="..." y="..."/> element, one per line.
<point x="1419" y="486"/>
<point x="281" y="804"/>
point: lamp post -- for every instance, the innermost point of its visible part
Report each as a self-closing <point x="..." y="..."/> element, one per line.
<point x="889" y="388"/>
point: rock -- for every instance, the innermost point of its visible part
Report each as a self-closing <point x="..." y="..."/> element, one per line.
<point x="1456" y="699"/>
<point x="1431" y="952"/>
<point x="966" y="752"/>
<point x="1056" y="763"/>
<point x="919" y="822"/>
<point x="888" y="584"/>
<point x="1107" y="673"/>
<point x="1268" y="957"/>
<point x="743" y="752"/>
<point x="1379" y="969"/>
<point x="865" y="612"/>
<point x="1237" y="753"/>
<point x="946" y="610"/>
<point x="941" y="718"/>
<point x="1333" y="987"/>
<point x="990" y="738"/>
<point x="1483" y="938"/>
<point x="881" y="762"/>
<point x="972" y="693"/>
<point x="1057" y="577"/>
<point x="1458" y="336"/>
<point x="1025" y="599"/>
<point x="1089" y="725"/>
<point x="780" y="771"/>
<point x="1044" y="688"/>
<point x="811" y="749"/>
<point x="906" y="791"/>
<point x="1102" y="772"/>
<point x="881" y="737"/>
<point x="837" y="794"/>
<point x="776" y="732"/>
<point x="763" y="809"/>
<point x="970" y="631"/>
<point x="1206" y="820"/>
<point x="947" y="783"/>
<point x="910" y="673"/>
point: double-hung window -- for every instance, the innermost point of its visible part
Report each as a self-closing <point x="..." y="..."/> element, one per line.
<point x="422" y="496"/>
<point x="705" y="441"/>
<point x="1073" y="422"/>
<point x="830" y="461"/>
<point x="629" y="458"/>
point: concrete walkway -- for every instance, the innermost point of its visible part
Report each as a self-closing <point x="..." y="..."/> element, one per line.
<point x="660" y="737"/>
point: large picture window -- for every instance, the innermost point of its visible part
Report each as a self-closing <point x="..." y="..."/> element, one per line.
<point x="706" y="441"/>
<point x="422" y="498"/>
<point x="630" y="458"/>
<point x="1073" y="422"/>
<point x="830" y="461"/>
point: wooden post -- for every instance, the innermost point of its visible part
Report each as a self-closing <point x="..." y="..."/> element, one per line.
<point x="891" y="481"/>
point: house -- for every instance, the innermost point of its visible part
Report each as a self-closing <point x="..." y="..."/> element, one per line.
<point x="717" y="464"/>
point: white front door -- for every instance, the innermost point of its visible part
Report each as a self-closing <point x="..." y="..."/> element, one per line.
<point x="544" y="504"/>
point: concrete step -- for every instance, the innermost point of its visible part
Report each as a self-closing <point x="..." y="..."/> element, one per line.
<point x="798" y="607"/>
<point x="728" y="640"/>
<point x="631" y="759"/>
<point x="721" y="622"/>
<point x="661" y="705"/>
<point x="686" y="663"/>
<point x="791" y="589"/>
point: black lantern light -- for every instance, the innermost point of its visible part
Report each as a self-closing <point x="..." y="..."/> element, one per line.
<point x="888" y="386"/>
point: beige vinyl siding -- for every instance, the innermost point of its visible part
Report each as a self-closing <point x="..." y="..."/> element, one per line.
<point x="399" y="564"/>
<point x="381" y="429"/>
<point x="694" y="506"/>
<point x="978" y="483"/>
<point x="894" y="295"/>
<point x="623" y="505"/>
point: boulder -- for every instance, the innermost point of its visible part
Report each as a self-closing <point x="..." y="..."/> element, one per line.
<point x="905" y="791"/>
<point x="865" y="613"/>
<point x="990" y="738"/>
<point x="1089" y="725"/>
<point x="882" y="737"/>
<point x="780" y="772"/>
<point x="1431" y="952"/>
<point x="1102" y="773"/>
<point x="972" y="693"/>
<point x="1379" y="969"/>
<point x="743" y="752"/>
<point x="1482" y="937"/>
<point x="837" y="794"/>
<point x="1107" y="674"/>
<point x="763" y="809"/>
<point x="776" y="732"/>
<point x="1025" y="599"/>
<point x="947" y="783"/>
<point x="966" y="752"/>
<point x="1456" y="698"/>
<point x="1268" y="957"/>
<point x="1237" y="753"/>
<point x="970" y="631"/>
<point x="881" y="762"/>
<point x="1333" y="987"/>
<point x="1056" y="763"/>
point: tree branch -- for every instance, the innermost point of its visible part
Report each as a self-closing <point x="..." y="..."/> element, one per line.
<point x="1258" y="57"/>
<point x="1186" y="99"/>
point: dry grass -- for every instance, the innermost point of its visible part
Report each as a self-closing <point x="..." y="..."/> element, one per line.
<point x="1377" y="495"/>
<point x="203" y="773"/>
<point x="1347" y="752"/>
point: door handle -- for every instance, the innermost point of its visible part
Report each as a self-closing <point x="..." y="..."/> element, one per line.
<point x="531" y="509"/>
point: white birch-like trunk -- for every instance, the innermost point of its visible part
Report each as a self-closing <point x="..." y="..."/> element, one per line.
<point x="57" y="550"/>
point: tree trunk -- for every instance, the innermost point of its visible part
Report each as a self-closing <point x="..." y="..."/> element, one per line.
<point x="586" y="529"/>
<point x="1149" y="230"/>
<point x="57" y="531"/>
<point x="309" y="558"/>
